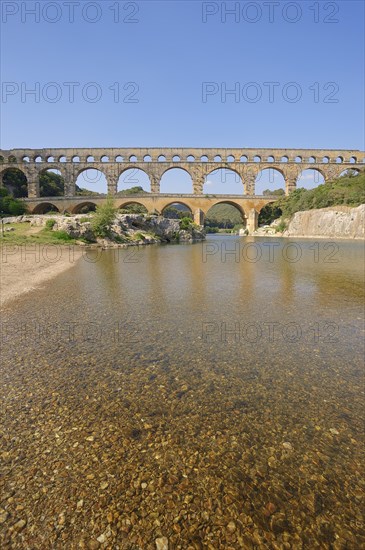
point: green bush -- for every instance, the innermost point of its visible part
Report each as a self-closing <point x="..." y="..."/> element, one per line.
<point x="185" y="223"/>
<point x="50" y="224"/>
<point x="348" y="189"/>
<point x="62" y="236"/>
<point x="10" y="205"/>
<point x="103" y="218"/>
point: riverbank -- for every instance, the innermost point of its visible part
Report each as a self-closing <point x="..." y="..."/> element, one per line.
<point x="23" y="269"/>
<point x="34" y="249"/>
<point x="334" y="222"/>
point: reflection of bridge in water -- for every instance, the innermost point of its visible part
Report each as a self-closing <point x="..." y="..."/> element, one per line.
<point x="155" y="162"/>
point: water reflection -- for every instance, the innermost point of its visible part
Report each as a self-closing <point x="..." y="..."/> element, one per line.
<point x="218" y="403"/>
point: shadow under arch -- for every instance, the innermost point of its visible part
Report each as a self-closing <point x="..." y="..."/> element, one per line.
<point x="176" y="210"/>
<point x="226" y="218"/>
<point x="84" y="208"/>
<point x="15" y="182"/>
<point x="51" y="186"/>
<point x="44" y="208"/>
<point x="133" y="207"/>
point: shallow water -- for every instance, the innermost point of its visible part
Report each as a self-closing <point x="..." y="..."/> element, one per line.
<point x="212" y="394"/>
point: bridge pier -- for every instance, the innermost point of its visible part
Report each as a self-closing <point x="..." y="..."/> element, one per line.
<point x="199" y="216"/>
<point x="252" y="220"/>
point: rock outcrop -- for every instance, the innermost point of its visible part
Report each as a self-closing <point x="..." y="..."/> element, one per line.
<point x="127" y="229"/>
<point x="337" y="222"/>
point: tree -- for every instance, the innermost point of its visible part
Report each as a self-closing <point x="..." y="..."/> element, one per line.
<point x="15" y="182"/>
<point x="103" y="218"/>
<point x="9" y="205"/>
<point x="51" y="185"/>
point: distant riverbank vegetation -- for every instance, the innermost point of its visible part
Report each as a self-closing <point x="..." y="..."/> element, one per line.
<point x="348" y="189"/>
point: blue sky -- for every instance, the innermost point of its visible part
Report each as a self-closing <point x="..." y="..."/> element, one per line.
<point x="167" y="58"/>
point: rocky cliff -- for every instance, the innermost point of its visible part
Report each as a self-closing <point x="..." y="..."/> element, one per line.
<point x="338" y="222"/>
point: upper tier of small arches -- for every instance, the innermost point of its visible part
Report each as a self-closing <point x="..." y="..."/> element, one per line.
<point x="172" y="158"/>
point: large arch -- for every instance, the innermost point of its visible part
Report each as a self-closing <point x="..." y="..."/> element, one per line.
<point x="270" y="179"/>
<point x="177" y="210"/>
<point x="133" y="177"/>
<point x="91" y="179"/>
<point x="84" y="207"/>
<point x="51" y="183"/>
<point x="44" y="208"/>
<point x="223" y="181"/>
<point x="310" y="178"/>
<point x="176" y="180"/>
<point x="132" y="207"/>
<point x="15" y="181"/>
<point x="225" y="218"/>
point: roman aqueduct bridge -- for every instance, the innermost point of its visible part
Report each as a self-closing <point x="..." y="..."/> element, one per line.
<point x="155" y="162"/>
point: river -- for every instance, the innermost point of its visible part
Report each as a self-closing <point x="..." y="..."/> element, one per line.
<point x="212" y="394"/>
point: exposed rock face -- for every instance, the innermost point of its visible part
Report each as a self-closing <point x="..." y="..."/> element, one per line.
<point x="127" y="229"/>
<point x="340" y="222"/>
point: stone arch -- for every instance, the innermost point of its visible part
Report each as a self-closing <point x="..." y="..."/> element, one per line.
<point x="268" y="213"/>
<point x="91" y="179"/>
<point x="233" y="219"/>
<point x="271" y="178"/>
<point x="44" y="208"/>
<point x="133" y="203"/>
<point x="221" y="180"/>
<point x="104" y="158"/>
<point x="176" y="179"/>
<point x="62" y="158"/>
<point x="172" y="204"/>
<point x="309" y="178"/>
<point x="84" y="207"/>
<point x="348" y="172"/>
<point x="15" y="181"/>
<point x="133" y="176"/>
<point x="51" y="189"/>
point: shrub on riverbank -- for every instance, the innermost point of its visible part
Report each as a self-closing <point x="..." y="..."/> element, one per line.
<point x="103" y="218"/>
